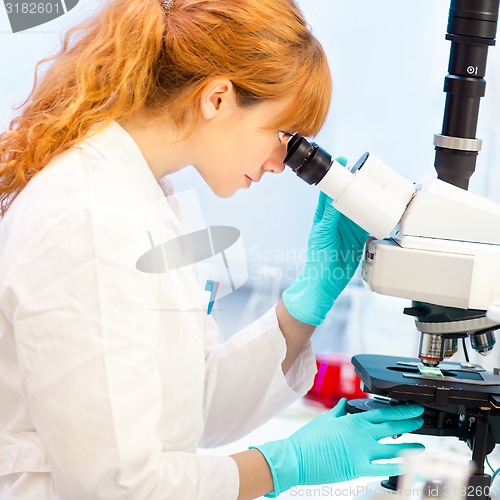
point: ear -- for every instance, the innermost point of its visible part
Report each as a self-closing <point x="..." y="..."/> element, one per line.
<point x="217" y="95"/>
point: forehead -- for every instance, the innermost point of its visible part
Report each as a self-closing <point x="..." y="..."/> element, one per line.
<point x="272" y="113"/>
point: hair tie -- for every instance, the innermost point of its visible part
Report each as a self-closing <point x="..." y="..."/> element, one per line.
<point x="167" y="5"/>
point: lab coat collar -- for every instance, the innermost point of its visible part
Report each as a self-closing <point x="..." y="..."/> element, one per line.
<point x="117" y="146"/>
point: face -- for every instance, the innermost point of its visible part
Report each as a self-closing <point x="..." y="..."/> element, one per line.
<point x="236" y="147"/>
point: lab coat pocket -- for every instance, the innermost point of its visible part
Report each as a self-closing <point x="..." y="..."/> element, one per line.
<point x="183" y="307"/>
<point x="21" y="452"/>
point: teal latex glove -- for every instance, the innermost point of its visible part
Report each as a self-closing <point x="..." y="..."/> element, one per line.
<point x="337" y="447"/>
<point x="334" y="250"/>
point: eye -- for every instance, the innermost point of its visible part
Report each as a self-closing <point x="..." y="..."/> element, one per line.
<point x="283" y="135"/>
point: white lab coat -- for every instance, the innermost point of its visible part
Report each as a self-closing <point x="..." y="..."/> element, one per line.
<point x="110" y="378"/>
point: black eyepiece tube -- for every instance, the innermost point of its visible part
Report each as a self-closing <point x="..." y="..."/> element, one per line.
<point x="472" y="27"/>
<point x="307" y="159"/>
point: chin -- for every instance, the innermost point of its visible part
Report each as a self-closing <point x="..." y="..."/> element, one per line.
<point x="225" y="192"/>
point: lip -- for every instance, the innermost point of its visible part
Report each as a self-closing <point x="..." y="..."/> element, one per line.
<point x="252" y="179"/>
<point x="249" y="180"/>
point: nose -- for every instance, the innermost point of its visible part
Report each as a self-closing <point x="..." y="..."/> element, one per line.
<point x="275" y="162"/>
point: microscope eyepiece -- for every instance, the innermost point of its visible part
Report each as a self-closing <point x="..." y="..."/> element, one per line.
<point x="307" y="159"/>
<point x="371" y="194"/>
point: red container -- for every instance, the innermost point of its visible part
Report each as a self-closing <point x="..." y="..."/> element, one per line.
<point x="335" y="379"/>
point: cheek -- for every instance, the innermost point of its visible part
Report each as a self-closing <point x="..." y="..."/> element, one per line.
<point x="257" y="152"/>
<point x="242" y="150"/>
<point x="278" y="154"/>
<point x="241" y="159"/>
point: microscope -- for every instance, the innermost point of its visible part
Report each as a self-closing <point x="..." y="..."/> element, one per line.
<point x="438" y="245"/>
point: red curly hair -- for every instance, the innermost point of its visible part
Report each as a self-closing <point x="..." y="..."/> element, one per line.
<point x="134" y="54"/>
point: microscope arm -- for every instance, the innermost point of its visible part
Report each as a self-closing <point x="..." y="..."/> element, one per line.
<point x="445" y="250"/>
<point x="433" y="242"/>
<point x="493" y="313"/>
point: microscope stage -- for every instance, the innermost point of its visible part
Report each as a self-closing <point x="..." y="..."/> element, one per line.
<point x="462" y="389"/>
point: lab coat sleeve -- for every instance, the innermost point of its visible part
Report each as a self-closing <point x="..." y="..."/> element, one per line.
<point x="86" y="337"/>
<point x="245" y="383"/>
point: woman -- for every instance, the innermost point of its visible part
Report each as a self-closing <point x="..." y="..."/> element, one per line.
<point x="110" y="377"/>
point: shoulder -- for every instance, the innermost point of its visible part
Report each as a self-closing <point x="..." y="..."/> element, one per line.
<point x="100" y="192"/>
<point x="105" y="170"/>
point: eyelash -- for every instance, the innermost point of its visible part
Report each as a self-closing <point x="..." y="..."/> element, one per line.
<point x="282" y="134"/>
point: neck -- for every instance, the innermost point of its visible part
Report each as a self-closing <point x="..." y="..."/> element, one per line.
<point x="165" y="147"/>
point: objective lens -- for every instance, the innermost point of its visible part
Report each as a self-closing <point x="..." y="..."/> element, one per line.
<point x="450" y="347"/>
<point x="431" y="350"/>
<point x="482" y="342"/>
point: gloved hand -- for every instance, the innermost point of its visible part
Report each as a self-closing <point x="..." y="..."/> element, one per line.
<point x="334" y="250"/>
<point x="337" y="447"/>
